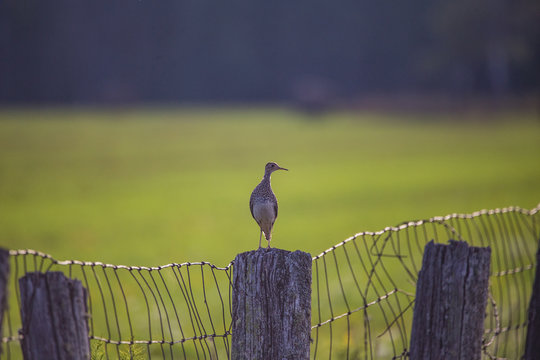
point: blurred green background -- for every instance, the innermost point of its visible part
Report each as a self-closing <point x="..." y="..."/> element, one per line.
<point x="148" y="186"/>
<point x="133" y="132"/>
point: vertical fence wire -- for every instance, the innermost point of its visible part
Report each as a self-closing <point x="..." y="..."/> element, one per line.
<point x="362" y="295"/>
<point x="165" y="312"/>
<point x="366" y="312"/>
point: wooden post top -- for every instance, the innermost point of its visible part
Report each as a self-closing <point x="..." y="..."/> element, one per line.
<point x="271" y="305"/>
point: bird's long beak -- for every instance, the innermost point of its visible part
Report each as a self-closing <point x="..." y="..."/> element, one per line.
<point x="280" y="168"/>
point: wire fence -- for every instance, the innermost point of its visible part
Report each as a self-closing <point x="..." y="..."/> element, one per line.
<point x="172" y="311"/>
<point x="363" y="294"/>
<point x="363" y="287"/>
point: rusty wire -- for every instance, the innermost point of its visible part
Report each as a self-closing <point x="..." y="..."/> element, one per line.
<point x="363" y="287"/>
<point x="172" y="311"/>
<point x="362" y="294"/>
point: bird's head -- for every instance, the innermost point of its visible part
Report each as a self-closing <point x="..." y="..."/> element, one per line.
<point x="271" y="167"/>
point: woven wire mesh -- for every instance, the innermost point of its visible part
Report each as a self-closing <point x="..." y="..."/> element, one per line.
<point x="180" y="311"/>
<point x="362" y="294"/>
<point x="363" y="288"/>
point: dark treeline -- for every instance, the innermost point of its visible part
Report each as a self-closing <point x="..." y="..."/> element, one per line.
<point x="69" y="51"/>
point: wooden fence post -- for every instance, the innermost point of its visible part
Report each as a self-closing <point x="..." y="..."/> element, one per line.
<point x="450" y="305"/>
<point x="54" y="317"/>
<point x="532" y="344"/>
<point x="4" y="277"/>
<point x="271" y="305"/>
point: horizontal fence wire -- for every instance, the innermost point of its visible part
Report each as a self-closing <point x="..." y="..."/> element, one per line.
<point x="363" y="287"/>
<point x="175" y="311"/>
<point x="363" y="292"/>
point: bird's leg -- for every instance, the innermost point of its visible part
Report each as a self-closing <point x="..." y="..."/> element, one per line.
<point x="260" y="239"/>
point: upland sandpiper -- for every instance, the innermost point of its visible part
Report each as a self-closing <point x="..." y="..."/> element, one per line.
<point x="263" y="203"/>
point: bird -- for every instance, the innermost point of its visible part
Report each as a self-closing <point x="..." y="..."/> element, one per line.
<point x="263" y="203"/>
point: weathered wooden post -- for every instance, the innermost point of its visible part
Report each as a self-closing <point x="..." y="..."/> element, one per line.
<point x="532" y="344"/>
<point x="271" y="305"/>
<point x="4" y="277"/>
<point x="54" y="317"/>
<point x="450" y="305"/>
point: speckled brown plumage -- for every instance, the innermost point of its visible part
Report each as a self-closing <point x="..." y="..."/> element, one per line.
<point x="263" y="203"/>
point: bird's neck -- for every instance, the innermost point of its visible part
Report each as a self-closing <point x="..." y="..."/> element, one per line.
<point x="266" y="178"/>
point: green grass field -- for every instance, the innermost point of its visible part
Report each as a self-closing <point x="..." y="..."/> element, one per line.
<point x="150" y="187"/>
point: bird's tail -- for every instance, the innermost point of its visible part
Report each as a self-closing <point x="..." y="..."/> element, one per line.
<point x="268" y="235"/>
